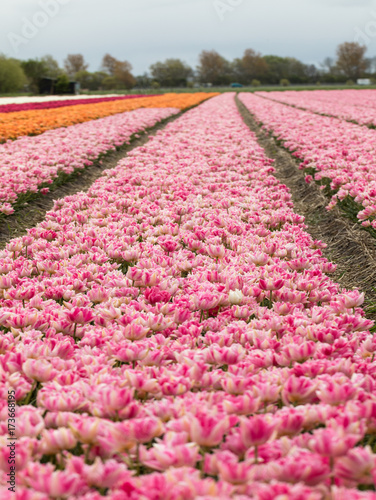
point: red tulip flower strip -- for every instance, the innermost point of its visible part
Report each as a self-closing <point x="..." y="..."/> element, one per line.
<point x="11" y="108"/>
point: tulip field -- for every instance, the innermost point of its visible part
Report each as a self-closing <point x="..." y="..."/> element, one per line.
<point x="174" y="332"/>
<point x="37" y="121"/>
<point x="335" y="150"/>
<point x="350" y="105"/>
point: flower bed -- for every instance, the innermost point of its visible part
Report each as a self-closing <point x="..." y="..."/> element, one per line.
<point x="11" y="108"/>
<point x="30" y="164"/>
<point x="173" y="334"/>
<point x="13" y="125"/>
<point x="342" y="153"/>
<point x="353" y="105"/>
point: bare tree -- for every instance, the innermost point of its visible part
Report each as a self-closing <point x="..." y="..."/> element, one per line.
<point x="123" y="74"/>
<point x="350" y="59"/>
<point x="213" y="68"/>
<point x="372" y="64"/>
<point x="109" y="64"/>
<point x="252" y="66"/>
<point x="328" y="64"/>
<point x="75" y="63"/>
<point x="120" y="72"/>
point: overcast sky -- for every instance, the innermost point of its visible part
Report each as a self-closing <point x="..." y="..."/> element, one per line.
<point x="145" y="31"/>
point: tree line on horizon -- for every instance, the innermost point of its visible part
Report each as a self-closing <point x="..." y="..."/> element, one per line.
<point x="213" y="69"/>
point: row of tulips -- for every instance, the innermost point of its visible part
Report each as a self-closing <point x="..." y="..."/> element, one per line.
<point x="173" y="334"/>
<point x="11" y="108"/>
<point x="358" y="106"/>
<point x="335" y="150"/>
<point x="35" y="122"/>
<point x="45" y="98"/>
<point x="29" y="164"/>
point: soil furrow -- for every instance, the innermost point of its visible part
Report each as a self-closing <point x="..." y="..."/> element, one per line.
<point x="348" y="245"/>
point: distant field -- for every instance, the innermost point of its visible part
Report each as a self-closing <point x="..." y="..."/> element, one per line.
<point x="266" y="88"/>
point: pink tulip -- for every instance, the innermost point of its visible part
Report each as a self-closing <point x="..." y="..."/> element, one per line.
<point x="39" y="370"/>
<point x="30" y="422"/>
<point x="298" y="390"/>
<point x="80" y="316"/>
<point x="335" y="393"/>
<point x="256" y="430"/>
<point x="54" y="441"/>
<point x="357" y="466"/>
<point x="271" y="284"/>
<point x="56" y="484"/>
<point x="216" y="251"/>
<point x="145" y="430"/>
<point x="208" y="430"/>
<point x="111" y="399"/>
<point x="332" y="443"/>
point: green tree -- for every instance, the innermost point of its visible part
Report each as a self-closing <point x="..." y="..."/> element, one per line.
<point x="110" y="83"/>
<point x="84" y="78"/>
<point x="62" y="84"/>
<point x="52" y="68"/>
<point x="289" y="68"/>
<point x="143" y="81"/>
<point x="97" y="80"/>
<point x="171" y="73"/>
<point x="12" y="76"/>
<point x="277" y="68"/>
<point x="34" y="70"/>
<point x="91" y="81"/>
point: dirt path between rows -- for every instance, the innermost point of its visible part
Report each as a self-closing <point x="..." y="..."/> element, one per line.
<point x="31" y="214"/>
<point x="349" y="246"/>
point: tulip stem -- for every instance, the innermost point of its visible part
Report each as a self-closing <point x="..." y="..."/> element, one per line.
<point x="331" y="463"/>
<point x="28" y="397"/>
<point x="271" y="298"/>
<point x="138" y="459"/>
<point x="60" y="461"/>
<point x="87" y="452"/>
